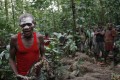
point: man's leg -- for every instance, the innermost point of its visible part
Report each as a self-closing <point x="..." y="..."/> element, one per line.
<point x="96" y="52"/>
<point x="105" y="56"/>
<point x="102" y="52"/>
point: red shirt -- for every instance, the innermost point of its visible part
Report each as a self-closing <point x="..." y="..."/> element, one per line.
<point x="110" y="35"/>
<point x="47" y="42"/>
<point x="26" y="57"/>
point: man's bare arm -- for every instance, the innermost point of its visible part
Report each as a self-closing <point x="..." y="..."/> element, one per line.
<point x="42" y="49"/>
<point x="12" y="54"/>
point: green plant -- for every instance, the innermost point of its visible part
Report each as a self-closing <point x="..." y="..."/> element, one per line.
<point x="70" y="46"/>
<point x="5" y="71"/>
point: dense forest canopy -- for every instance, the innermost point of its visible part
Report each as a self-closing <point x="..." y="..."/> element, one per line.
<point x="58" y="15"/>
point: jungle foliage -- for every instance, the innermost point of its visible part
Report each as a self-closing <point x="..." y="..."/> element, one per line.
<point x="53" y="16"/>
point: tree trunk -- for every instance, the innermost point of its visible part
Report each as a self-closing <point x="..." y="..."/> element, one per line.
<point x="6" y="10"/>
<point x="102" y="13"/>
<point x="74" y="16"/>
<point x="13" y="13"/>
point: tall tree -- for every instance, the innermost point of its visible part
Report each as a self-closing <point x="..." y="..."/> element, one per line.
<point x="13" y="13"/>
<point x="74" y="15"/>
<point x="6" y="10"/>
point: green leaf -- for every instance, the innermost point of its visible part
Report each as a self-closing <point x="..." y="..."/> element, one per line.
<point x="0" y="62"/>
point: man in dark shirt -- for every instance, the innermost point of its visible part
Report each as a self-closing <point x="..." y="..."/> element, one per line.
<point x="99" y="42"/>
<point x="62" y="39"/>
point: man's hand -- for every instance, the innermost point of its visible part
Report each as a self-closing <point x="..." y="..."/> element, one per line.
<point x="41" y="63"/>
<point x="38" y="63"/>
<point x="22" y="77"/>
<point x="46" y="41"/>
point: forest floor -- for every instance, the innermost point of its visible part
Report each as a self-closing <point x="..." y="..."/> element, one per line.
<point x="83" y="67"/>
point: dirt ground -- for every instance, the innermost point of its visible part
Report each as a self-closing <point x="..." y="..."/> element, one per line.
<point x="83" y="67"/>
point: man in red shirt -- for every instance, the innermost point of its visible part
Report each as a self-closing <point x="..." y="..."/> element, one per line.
<point x="26" y="47"/>
<point x="46" y="40"/>
<point x="110" y="35"/>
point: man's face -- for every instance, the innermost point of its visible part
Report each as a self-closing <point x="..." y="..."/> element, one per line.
<point x="27" y="27"/>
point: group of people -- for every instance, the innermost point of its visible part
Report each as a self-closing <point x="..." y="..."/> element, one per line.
<point x="100" y="41"/>
<point x="27" y="47"/>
